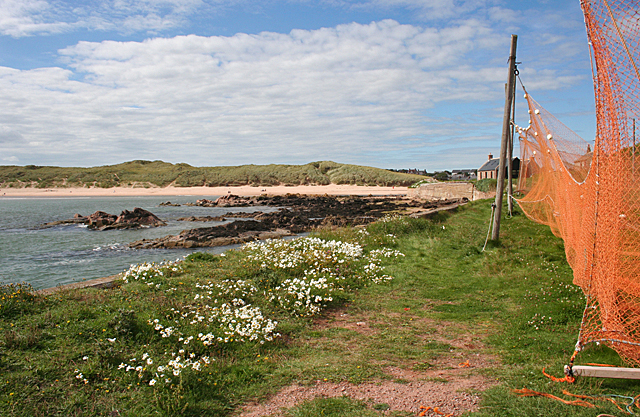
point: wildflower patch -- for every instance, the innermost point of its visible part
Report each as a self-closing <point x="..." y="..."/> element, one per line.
<point x="299" y="277"/>
<point x="16" y="299"/>
<point x="151" y="271"/>
<point x="316" y="270"/>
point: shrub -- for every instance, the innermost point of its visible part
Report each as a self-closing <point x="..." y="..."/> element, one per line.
<point x="16" y="299"/>
<point x="201" y="257"/>
<point x="486" y="185"/>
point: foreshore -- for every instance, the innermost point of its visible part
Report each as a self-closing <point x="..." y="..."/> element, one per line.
<point x="248" y="191"/>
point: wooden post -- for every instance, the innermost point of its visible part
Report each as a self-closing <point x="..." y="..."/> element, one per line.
<point x="604" y="372"/>
<point x="512" y="131"/>
<point x="506" y="126"/>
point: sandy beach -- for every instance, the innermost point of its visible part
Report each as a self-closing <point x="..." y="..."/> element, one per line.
<point x="332" y="189"/>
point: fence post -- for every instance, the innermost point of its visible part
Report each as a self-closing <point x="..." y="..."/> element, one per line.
<point x="506" y="127"/>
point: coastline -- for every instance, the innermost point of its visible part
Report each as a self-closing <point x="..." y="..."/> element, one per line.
<point x="246" y="191"/>
<point x="196" y="192"/>
<point x="105" y="282"/>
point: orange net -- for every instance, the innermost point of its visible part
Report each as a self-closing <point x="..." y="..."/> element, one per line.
<point x="590" y="195"/>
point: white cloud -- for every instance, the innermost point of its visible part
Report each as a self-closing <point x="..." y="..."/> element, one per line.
<point x="19" y="18"/>
<point x="352" y="93"/>
<point x="335" y="93"/>
<point x="25" y="17"/>
<point x="10" y="138"/>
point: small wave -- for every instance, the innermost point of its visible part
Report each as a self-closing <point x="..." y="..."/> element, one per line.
<point x="111" y="247"/>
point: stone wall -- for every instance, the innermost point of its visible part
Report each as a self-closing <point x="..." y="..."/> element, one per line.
<point x="448" y="191"/>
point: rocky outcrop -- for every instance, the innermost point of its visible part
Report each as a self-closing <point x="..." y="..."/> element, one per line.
<point x="227" y="234"/>
<point x="77" y="219"/>
<point x="229" y="200"/>
<point x="202" y="203"/>
<point x="296" y="214"/>
<point x="139" y="217"/>
<point x="232" y="200"/>
<point x="105" y="221"/>
<point x="100" y="220"/>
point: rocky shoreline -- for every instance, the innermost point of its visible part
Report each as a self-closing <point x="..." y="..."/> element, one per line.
<point x="297" y="214"/>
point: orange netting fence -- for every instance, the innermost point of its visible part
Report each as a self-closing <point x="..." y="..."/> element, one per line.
<point x="590" y="195"/>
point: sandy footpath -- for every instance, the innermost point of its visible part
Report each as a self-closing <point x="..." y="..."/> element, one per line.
<point x="202" y="191"/>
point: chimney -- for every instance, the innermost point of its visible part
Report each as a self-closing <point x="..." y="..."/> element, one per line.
<point x="490" y="157"/>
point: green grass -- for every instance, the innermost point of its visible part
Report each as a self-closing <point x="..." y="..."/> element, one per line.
<point x="486" y="185"/>
<point x="158" y="173"/>
<point x="489" y="184"/>
<point x="443" y="289"/>
<point x="340" y="407"/>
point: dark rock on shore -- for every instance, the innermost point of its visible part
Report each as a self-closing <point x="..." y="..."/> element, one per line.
<point x="168" y="204"/>
<point x="227" y="234"/>
<point x="202" y="203"/>
<point x="105" y="221"/>
<point x="232" y="200"/>
<point x="201" y="219"/>
<point x="136" y="218"/>
<point x="224" y="217"/>
<point x="77" y="219"/>
<point x="229" y="200"/>
<point x="100" y="220"/>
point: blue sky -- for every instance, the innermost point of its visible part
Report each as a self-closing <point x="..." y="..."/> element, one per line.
<point x="385" y="83"/>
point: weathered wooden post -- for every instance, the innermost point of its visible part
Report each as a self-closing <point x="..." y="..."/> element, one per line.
<point x="512" y="132"/>
<point x="506" y="126"/>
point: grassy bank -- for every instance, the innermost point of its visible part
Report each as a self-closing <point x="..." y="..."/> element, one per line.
<point x="158" y="173"/>
<point x="347" y="314"/>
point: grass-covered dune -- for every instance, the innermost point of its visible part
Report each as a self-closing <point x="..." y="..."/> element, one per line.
<point x="401" y="304"/>
<point x="161" y="174"/>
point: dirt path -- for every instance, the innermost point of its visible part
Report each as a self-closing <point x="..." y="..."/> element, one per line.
<point x="452" y="382"/>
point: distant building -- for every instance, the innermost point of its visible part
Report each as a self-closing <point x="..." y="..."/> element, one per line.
<point x="584" y="161"/>
<point x="416" y="171"/>
<point x="490" y="168"/>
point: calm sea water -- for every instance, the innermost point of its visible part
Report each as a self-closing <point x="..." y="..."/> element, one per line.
<point x="70" y="253"/>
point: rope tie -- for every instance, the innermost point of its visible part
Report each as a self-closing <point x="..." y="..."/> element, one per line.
<point x="567" y="378"/>
<point x="493" y="210"/>
<point x="581" y="399"/>
<point x="526" y="392"/>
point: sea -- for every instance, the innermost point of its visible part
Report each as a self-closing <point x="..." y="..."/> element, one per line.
<point x="48" y="257"/>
